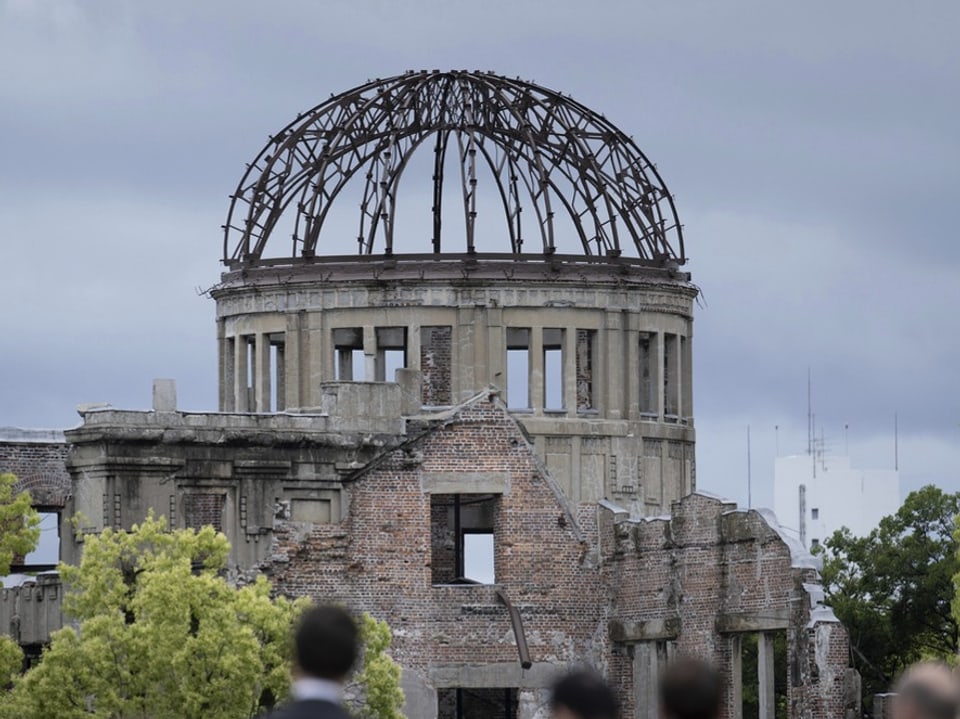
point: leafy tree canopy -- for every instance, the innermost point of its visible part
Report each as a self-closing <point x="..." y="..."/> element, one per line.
<point x="893" y="588"/>
<point x="19" y="523"/>
<point x="159" y="633"/>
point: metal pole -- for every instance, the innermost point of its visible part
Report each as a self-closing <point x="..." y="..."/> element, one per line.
<point x="749" y="477"/>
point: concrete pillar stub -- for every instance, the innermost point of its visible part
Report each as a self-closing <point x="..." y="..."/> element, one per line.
<point x="736" y="677"/>
<point x="164" y="395"/>
<point x="765" y="671"/>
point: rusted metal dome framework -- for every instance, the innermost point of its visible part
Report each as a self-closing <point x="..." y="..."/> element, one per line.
<point x="545" y="152"/>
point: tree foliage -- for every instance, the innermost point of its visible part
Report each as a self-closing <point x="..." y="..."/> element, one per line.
<point x="893" y="588"/>
<point x="19" y="523"/>
<point x="377" y="684"/>
<point x="159" y="633"/>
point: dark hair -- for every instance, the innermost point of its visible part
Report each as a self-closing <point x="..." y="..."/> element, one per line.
<point x="326" y="642"/>
<point x="690" y="689"/>
<point x="586" y="694"/>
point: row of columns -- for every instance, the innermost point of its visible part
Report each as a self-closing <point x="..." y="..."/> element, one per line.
<point x="305" y="356"/>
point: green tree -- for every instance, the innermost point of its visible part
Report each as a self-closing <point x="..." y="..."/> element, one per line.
<point x="19" y="533"/>
<point x="159" y="633"/>
<point x="893" y="588"/>
<point x="377" y="684"/>
<point x="19" y="523"/>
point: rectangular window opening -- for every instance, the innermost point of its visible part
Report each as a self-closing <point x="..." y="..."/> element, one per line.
<point x="815" y="513"/>
<point x="553" y="398"/>
<point x="349" y="361"/>
<point x="391" y="352"/>
<point x="477" y="703"/>
<point x="518" y="368"/>
<point x="670" y="376"/>
<point x="462" y="538"/>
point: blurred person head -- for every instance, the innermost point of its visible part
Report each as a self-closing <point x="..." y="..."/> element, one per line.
<point x="690" y="689"/>
<point x="326" y="643"/>
<point x="928" y="690"/>
<point x="582" y="694"/>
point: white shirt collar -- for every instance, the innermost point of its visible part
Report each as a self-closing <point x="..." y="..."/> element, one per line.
<point x="306" y="688"/>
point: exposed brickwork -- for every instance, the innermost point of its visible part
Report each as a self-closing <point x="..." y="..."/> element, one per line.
<point x="584" y="349"/>
<point x="591" y="584"/>
<point x="201" y="509"/>
<point x="435" y="358"/>
<point x="40" y="469"/>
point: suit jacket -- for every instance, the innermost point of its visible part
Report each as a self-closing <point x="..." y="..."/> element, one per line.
<point x="309" y="709"/>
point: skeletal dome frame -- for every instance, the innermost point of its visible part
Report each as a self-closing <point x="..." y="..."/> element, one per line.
<point x="545" y="152"/>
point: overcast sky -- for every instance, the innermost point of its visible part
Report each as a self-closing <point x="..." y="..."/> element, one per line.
<point x="813" y="149"/>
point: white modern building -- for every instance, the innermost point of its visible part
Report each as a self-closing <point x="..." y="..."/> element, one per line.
<point x="814" y="495"/>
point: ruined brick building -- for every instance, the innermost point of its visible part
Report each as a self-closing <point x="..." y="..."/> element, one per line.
<point x="489" y="444"/>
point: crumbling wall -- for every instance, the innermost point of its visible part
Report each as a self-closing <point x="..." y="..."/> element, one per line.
<point x="460" y="635"/>
<point x="700" y="580"/>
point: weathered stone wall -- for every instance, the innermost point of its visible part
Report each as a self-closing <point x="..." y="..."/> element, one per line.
<point x="338" y="514"/>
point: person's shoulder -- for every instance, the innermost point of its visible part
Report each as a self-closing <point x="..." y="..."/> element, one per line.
<point x="309" y="710"/>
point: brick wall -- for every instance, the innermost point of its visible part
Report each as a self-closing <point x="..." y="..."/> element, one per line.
<point x="383" y="559"/>
<point x="203" y="508"/>
<point x="435" y="358"/>
<point x="40" y="468"/>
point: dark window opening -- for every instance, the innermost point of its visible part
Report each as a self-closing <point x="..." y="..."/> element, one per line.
<point x="671" y="379"/>
<point x="391" y="352"/>
<point x="815" y="513"/>
<point x="476" y="703"/>
<point x="348" y="354"/>
<point x="814" y="543"/>
<point x="648" y="400"/>
<point x="518" y="368"/>
<point x="553" y="398"/>
<point x="586" y="339"/>
<point x="462" y="538"/>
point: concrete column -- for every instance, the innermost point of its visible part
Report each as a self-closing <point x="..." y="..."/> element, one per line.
<point x="228" y="361"/>
<point x="736" y="677"/>
<point x="281" y="375"/>
<point x="645" y="680"/>
<point x="291" y="370"/>
<point x="570" y="372"/>
<point x="496" y="351"/>
<point x="316" y="357"/>
<point x="687" y="359"/>
<point x="613" y="381"/>
<point x="765" y="670"/>
<point x="632" y="385"/>
<point x="536" y="370"/>
<point x="261" y="378"/>
<point x="241" y="354"/>
<point x="413" y="347"/>
<point x="481" y="353"/>
<point x="464" y="369"/>
<point x="369" y="355"/>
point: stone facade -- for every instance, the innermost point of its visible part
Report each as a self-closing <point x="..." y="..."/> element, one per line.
<point x="329" y="509"/>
